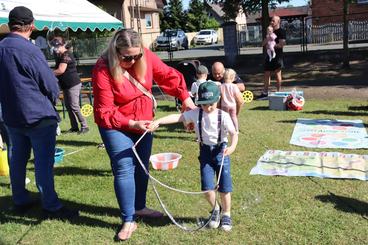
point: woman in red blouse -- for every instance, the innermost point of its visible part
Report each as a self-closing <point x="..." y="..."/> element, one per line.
<point x="122" y="112"/>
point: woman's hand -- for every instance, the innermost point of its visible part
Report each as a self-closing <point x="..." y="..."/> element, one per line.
<point x="188" y="105"/>
<point x="140" y="125"/>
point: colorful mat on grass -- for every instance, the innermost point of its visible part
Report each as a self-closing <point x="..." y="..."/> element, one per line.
<point x="349" y="134"/>
<point x="317" y="164"/>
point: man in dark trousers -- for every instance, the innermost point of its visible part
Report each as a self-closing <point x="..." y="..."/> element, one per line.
<point x="276" y="64"/>
<point x="28" y="93"/>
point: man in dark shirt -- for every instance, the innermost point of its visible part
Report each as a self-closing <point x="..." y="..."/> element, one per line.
<point x="28" y="93"/>
<point x="217" y="75"/>
<point x="277" y="63"/>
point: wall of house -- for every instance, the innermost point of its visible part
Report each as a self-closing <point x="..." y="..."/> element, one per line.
<point x="331" y="11"/>
<point x="111" y="7"/>
<point x="149" y="33"/>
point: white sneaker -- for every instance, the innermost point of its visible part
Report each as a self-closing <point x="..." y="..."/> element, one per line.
<point x="214" y="219"/>
<point x="226" y="223"/>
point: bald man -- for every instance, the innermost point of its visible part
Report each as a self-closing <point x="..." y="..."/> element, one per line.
<point x="276" y="64"/>
<point x="218" y="71"/>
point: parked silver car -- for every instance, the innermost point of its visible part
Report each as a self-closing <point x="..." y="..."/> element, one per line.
<point x="171" y="39"/>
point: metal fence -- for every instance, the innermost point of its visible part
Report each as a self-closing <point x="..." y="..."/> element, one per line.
<point x="333" y="32"/>
<point x="326" y="33"/>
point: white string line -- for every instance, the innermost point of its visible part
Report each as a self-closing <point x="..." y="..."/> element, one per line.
<point x="163" y="205"/>
<point x="70" y="153"/>
<point x="169" y="187"/>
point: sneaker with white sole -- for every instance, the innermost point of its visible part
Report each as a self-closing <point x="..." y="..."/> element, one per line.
<point x="226" y="223"/>
<point x="263" y="96"/>
<point x="214" y="219"/>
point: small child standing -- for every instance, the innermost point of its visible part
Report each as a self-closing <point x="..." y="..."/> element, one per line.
<point x="201" y="75"/>
<point x="212" y="127"/>
<point x="231" y="97"/>
<point x="271" y="43"/>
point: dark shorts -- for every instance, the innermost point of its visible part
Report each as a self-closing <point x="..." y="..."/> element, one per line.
<point x="210" y="160"/>
<point x="274" y="64"/>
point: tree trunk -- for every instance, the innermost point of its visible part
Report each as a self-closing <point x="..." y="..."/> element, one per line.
<point x="265" y="20"/>
<point x="346" y="35"/>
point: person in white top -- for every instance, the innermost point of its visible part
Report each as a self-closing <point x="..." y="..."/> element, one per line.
<point x="231" y="97"/>
<point x="212" y="127"/>
<point x="201" y="74"/>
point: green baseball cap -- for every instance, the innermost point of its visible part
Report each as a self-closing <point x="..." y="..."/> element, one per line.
<point x="208" y="93"/>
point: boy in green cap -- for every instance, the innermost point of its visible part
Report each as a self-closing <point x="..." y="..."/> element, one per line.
<point x="212" y="126"/>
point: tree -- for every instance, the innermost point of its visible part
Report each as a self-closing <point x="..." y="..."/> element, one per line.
<point x="164" y="18"/>
<point x="346" y="53"/>
<point x="173" y="16"/>
<point x="198" y="17"/>
<point x="232" y="7"/>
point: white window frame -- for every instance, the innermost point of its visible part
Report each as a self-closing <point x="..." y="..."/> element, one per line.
<point x="148" y="19"/>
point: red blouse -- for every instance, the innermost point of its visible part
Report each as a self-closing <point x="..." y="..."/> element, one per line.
<point x="115" y="104"/>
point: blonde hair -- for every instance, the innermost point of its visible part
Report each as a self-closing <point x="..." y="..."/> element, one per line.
<point x="229" y="75"/>
<point x="124" y="39"/>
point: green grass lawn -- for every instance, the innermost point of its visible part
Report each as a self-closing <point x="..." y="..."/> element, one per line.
<point x="265" y="209"/>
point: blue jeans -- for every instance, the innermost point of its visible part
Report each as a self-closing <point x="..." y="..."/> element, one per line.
<point x="130" y="180"/>
<point x="210" y="158"/>
<point x="42" y="140"/>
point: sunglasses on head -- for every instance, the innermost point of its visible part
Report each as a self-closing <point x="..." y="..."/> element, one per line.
<point x="131" y="57"/>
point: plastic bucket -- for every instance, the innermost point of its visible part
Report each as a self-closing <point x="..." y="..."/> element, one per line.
<point x="59" y="155"/>
<point x="4" y="167"/>
<point x="165" y="161"/>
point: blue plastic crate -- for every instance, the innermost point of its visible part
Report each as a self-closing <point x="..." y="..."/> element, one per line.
<point x="59" y="155"/>
<point x="287" y="93"/>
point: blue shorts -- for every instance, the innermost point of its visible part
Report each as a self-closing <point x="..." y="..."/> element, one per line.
<point x="210" y="158"/>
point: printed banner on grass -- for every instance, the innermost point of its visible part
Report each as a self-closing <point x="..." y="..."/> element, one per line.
<point x="317" y="164"/>
<point x="319" y="133"/>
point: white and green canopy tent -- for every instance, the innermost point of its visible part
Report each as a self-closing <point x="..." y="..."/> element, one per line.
<point x="61" y="14"/>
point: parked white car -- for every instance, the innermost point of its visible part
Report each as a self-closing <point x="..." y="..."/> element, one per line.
<point x="206" y="37"/>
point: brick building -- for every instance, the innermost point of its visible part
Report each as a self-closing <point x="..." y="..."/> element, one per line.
<point x="331" y="11"/>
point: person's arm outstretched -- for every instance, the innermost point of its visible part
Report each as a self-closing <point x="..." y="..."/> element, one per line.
<point x="170" y="119"/>
<point x="234" y="141"/>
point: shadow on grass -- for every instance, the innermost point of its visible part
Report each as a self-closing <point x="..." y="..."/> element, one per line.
<point x="167" y="108"/>
<point x="4" y="185"/>
<point x="345" y="204"/>
<point x="62" y="170"/>
<point x="260" y="108"/>
<point x="358" y="108"/>
<point x="287" y="121"/>
<point x="34" y="216"/>
<point x="337" y="113"/>
<point x="76" y="143"/>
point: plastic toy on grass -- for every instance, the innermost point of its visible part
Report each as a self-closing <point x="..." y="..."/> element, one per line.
<point x="59" y="155"/>
<point x="4" y="167"/>
<point x="165" y="161"/>
<point x="86" y="110"/>
<point x="294" y="101"/>
<point x="247" y="96"/>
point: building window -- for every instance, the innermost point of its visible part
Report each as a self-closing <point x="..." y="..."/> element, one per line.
<point x="148" y="18"/>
